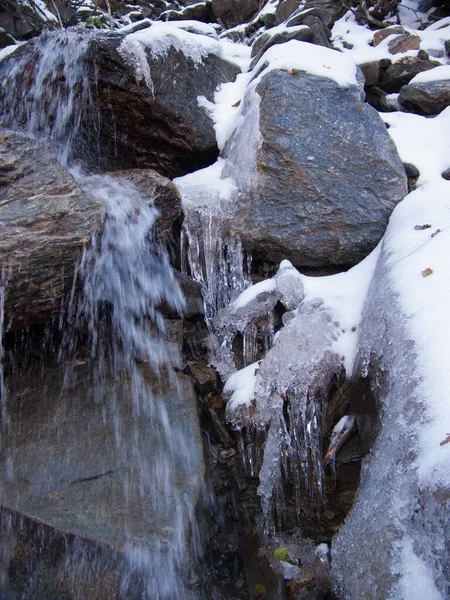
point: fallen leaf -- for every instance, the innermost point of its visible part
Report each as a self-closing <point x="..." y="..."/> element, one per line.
<point x="427" y="272"/>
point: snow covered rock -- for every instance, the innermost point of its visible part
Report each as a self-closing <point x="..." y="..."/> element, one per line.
<point x="45" y="221"/>
<point x="428" y="93"/>
<point x="402" y="71"/>
<point x="326" y="174"/>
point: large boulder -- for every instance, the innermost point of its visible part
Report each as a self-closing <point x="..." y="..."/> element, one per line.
<point x="121" y="101"/>
<point x="234" y="12"/>
<point x="46" y="220"/>
<point x="86" y="469"/>
<point x="326" y="174"/>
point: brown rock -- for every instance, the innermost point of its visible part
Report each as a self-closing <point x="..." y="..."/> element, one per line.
<point x="403" y="43"/>
<point x="382" y="34"/>
<point x="45" y="221"/>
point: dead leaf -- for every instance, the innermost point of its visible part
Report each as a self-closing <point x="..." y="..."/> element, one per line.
<point x="446" y="441"/>
<point x="427" y="272"/>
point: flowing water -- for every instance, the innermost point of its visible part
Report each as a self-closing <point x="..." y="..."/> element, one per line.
<point x="104" y="442"/>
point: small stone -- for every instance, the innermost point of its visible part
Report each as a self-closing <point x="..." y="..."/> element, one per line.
<point x="427" y="272"/>
<point x="423" y="55"/>
<point x="447" y="47"/>
<point x="422" y="227"/>
<point x="381" y="35"/>
<point x="411" y="171"/>
<point x="403" y="43"/>
<point x="446" y="174"/>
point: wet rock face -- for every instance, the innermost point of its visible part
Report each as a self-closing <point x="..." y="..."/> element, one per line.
<point x="45" y="221"/>
<point x="81" y="476"/>
<point x="328" y="175"/>
<point x="164" y="129"/>
<point x="161" y="193"/>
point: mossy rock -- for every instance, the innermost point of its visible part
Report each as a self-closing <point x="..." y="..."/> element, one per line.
<point x="281" y="553"/>
<point x="96" y="22"/>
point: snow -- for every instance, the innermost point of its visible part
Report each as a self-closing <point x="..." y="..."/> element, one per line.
<point x="416" y="580"/>
<point x="251" y="293"/>
<point x="422" y="141"/>
<point x="436" y="74"/>
<point x="241" y="385"/>
<point x="315" y="60"/>
<point x="347" y="31"/>
<point x="206" y="188"/>
<point x="4" y="52"/>
<point x="344" y="295"/>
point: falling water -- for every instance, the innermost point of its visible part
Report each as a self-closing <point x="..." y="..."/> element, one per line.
<point x="113" y="448"/>
<point x="49" y="93"/>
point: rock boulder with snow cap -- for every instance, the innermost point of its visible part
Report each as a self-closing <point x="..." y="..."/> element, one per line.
<point x="428" y="93"/>
<point x="326" y="175"/>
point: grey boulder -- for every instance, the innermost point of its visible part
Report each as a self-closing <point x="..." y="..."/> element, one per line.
<point x="426" y="98"/>
<point x="326" y="175"/>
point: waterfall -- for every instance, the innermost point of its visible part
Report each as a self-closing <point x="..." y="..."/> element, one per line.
<point x="50" y="94"/>
<point x="113" y="408"/>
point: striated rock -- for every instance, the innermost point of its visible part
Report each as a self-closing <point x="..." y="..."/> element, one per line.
<point x="403" y="43"/>
<point x="320" y="195"/>
<point x="234" y="12"/>
<point x="401" y="72"/>
<point x="426" y="98"/>
<point x="46" y="220"/>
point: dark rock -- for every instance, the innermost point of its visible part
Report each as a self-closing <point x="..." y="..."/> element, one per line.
<point x="267" y="40"/>
<point x="197" y="12"/>
<point x="45" y="221"/>
<point x="327" y="10"/>
<point x="382" y="34"/>
<point x="322" y="194"/>
<point x="423" y="55"/>
<point x="5" y="39"/>
<point x="192" y="293"/>
<point x="426" y="98"/>
<point x="371" y="72"/>
<point x="401" y="72"/>
<point x="234" y="12"/>
<point x="447" y="47"/>
<point x="129" y="123"/>
<point x="377" y="98"/>
<point x="446" y="174"/>
<point x="205" y="377"/>
<point x="285" y="10"/>
<point x="321" y="34"/>
<point x="403" y="43"/>
<point x="23" y="22"/>
<point x="160" y="192"/>
<point x="411" y="171"/>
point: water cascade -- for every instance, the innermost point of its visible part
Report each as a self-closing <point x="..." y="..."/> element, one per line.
<point x="102" y="440"/>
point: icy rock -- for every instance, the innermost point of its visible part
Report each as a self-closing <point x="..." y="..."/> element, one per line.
<point x="289" y="285"/>
<point x="426" y="97"/>
<point x="396" y="535"/>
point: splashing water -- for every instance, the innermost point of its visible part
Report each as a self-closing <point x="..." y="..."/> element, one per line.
<point x="50" y="93"/>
